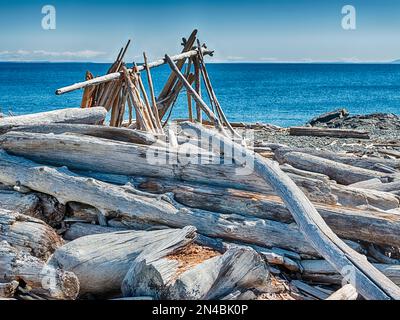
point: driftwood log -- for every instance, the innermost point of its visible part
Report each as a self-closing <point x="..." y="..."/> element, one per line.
<point x="347" y="292"/>
<point x="325" y="132"/>
<point x="321" y="271"/>
<point x="370" y="282"/>
<point x="28" y="234"/>
<point x="133" y="204"/>
<point x="370" y="163"/>
<point x="95" y="154"/>
<point x="215" y="278"/>
<point x="238" y="269"/>
<point x="342" y="173"/>
<point x="43" y="279"/>
<point x="28" y="204"/>
<point x="74" y="115"/>
<point x="101" y="261"/>
<point x="78" y="230"/>
<point x="350" y="223"/>
<point x="105" y="132"/>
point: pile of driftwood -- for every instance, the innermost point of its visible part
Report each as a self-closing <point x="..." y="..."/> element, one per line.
<point x="118" y="211"/>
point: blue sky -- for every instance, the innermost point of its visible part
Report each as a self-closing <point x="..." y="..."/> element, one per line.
<point x="251" y="30"/>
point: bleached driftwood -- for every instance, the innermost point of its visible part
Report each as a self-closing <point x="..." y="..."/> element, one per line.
<point x="347" y="292"/>
<point x="78" y="230"/>
<point x="349" y="223"/>
<point x="236" y="269"/>
<point x="28" y="204"/>
<point x="369" y="163"/>
<point x="342" y="173"/>
<point x="101" y="261"/>
<point x="309" y="290"/>
<point x="376" y="184"/>
<point x="321" y="271"/>
<point x="43" y="279"/>
<point x="95" y="154"/>
<point x="371" y="283"/>
<point x="132" y="204"/>
<point x="28" y="234"/>
<point x="330" y="193"/>
<point x="105" y="132"/>
<point x="73" y="115"/>
<point x="358" y="197"/>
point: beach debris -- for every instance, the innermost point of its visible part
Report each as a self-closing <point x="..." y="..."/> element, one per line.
<point x="118" y="221"/>
<point x="323" y="132"/>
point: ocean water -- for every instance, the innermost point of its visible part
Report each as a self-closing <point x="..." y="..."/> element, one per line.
<point x="282" y="94"/>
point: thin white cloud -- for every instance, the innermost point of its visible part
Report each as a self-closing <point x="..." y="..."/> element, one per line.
<point x="40" y="55"/>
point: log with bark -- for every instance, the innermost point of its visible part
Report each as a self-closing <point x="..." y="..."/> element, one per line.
<point x="41" y="278"/>
<point x="73" y="115"/>
<point x="325" y="132"/>
<point x="101" y="261"/>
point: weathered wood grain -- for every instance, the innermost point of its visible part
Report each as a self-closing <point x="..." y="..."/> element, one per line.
<point x="371" y="283"/>
<point x="28" y="234"/>
<point x="101" y="261"/>
<point x="42" y="278"/>
<point x="73" y="115"/>
<point x="328" y="132"/>
<point x="105" y="132"/>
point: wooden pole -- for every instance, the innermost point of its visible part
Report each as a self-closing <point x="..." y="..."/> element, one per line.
<point x="189" y="97"/>
<point x="212" y="94"/>
<point x="131" y="89"/>
<point x="147" y="107"/>
<point x="152" y="95"/>
<point x="117" y="75"/>
<point x="172" y="78"/>
<point x="87" y="96"/>
<point x="196" y="97"/>
<point x="197" y="86"/>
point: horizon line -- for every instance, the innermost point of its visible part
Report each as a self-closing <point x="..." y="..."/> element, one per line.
<point x="217" y="62"/>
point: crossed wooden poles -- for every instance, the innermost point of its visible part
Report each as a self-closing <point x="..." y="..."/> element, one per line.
<point x="123" y="88"/>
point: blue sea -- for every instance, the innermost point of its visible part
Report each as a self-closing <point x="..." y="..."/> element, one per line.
<point x="281" y="94"/>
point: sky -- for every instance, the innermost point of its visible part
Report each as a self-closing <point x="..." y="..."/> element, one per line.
<point x="238" y="31"/>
